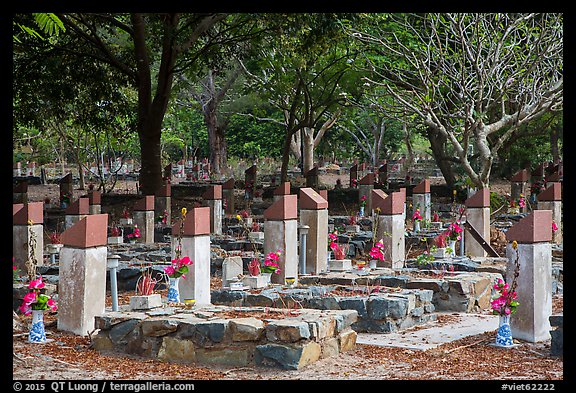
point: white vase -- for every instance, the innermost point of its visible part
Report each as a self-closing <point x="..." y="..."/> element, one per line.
<point x="37" y="333"/>
<point x="452" y="245"/>
<point x="417" y="226"/>
<point x="173" y="291"/>
<point x="373" y="263"/>
<point x="361" y="213"/>
<point x="268" y="277"/>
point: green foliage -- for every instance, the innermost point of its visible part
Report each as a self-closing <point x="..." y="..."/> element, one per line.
<point x="497" y="201"/>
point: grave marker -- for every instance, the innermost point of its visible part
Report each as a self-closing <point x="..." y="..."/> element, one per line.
<point x="143" y="215"/>
<point x="163" y="202"/>
<point x="95" y="202"/>
<point x="281" y="232"/>
<point x="365" y="187"/>
<point x="519" y="186"/>
<point x="213" y="197"/>
<point x="195" y="243"/>
<point x="533" y="234"/>
<point x="77" y="210"/>
<point x="314" y="213"/>
<point x="27" y="233"/>
<point x="82" y="277"/>
<point x="421" y="199"/>
<point x="228" y="196"/>
<point x="390" y="227"/>
<point x="478" y="215"/>
<point x="551" y="199"/>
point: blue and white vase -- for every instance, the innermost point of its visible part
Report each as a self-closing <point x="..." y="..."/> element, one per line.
<point x="504" y="334"/>
<point x="361" y="213"/>
<point x="37" y="333"/>
<point x="173" y="291"/>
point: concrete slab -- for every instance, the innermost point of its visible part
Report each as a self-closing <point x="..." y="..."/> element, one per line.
<point x="453" y="326"/>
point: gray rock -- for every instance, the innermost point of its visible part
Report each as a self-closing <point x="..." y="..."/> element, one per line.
<point x="357" y="303"/>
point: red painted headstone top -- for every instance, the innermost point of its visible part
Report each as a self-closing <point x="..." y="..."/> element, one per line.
<point x="164" y="191"/>
<point x="535" y="227"/>
<point x="197" y="222"/>
<point x="283" y="189"/>
<point x="394" y="204"/>
<point x="311" y="200"/>
<point x="66" y="179"/>
<point x="228" y="185"/>
<point x="383" y="168"/>
<point x="552" y="193"/>
<point x="539" y="170"/>
<point x="95" y="197"/>
<point x="480" y="199"/>
<point x="367" y="180"/>
<point x="285" y="208"/>
<point x="214" y="191"/>
<point x="422" y="188"/>
<point x="145" y="203"/>
<point x="362" y="167"/>
<point x="91" y="231"/>
<point x="79" y="206"/>
<point x="354" y="168"/>
<point x="21" y="187"/>
<point x="312" y="171"/>
<point x="521" y="176"/>
<point x="323" y="194"/>
<point x="378" y="198"/>
<point x="22" y="213"/>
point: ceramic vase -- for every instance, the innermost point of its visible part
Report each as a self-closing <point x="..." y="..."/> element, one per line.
<point x="173" y="291"/>
<point x="37" y="333"/>
<point x="504" y="334"/>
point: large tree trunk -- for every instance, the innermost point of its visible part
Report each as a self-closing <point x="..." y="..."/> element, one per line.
<point x="554" y="150"/>
<point x="308" y="149"/>
<point x="285" y="158"/>
<point x="150" y="160"/>
<point x="437" y="145"/>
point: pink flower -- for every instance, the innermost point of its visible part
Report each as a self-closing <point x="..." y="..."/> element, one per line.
<point x="169" y="270"/>
<point x="184" y="261"/>
<point x="416" y="215"/>
<point x="363" y="198"/>
<point x="52" y="304"/>
<point x="29" y="298"/>
<point x="554" y="227"/>
<point x="332" y="236"/>
<point x="333" y="246"/>
<point x="25" y="309"/>
<point x="36" y="284"/>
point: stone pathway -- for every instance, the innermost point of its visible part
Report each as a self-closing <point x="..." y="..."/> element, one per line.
<point x="433" y="334"/>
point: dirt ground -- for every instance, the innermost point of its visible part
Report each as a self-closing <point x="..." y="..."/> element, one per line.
<point x="70" y="357"/>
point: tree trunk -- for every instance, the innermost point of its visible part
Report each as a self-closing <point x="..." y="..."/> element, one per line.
<point x="410" y="160"/>
<point x="554" y="150"/>
<point x="308" y="147"/>
<point x="150" y="159"/>
<point x="285" y="158"/>
<point x="437" y="145"/>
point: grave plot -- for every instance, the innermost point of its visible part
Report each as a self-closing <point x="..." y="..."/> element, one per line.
<point x="231" y="336"/>
<point x="380" y="309"/>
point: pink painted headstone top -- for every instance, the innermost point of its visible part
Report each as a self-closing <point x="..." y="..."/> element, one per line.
<point x="539" y="170"/>
<point x="283" y="189"/>
<point x="285" y="208"/>
<point x="521" y="176"/>
<point x="91" y="231"/>
<point x="367" y="180"/>
<point x="323" y="194"/>
<point x="197" y="222"/>
<point x="213" y="192"/>
<point x="164" y="191"/>
<point x="393" y="204"/>
<point x="422" y="188"/>
<point x="311" y="200"/>
<point x="480" y="199"/>
<point x="378" y="200"/>
<point x="79" y="206"/>
<point x="552" y="193"/>
<point x="535" y="227"/>
<point x="95" y="197"/>
<point x="22" y="213"/>
<point x="228" y="185"/>
<point x="144" y="204"/>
